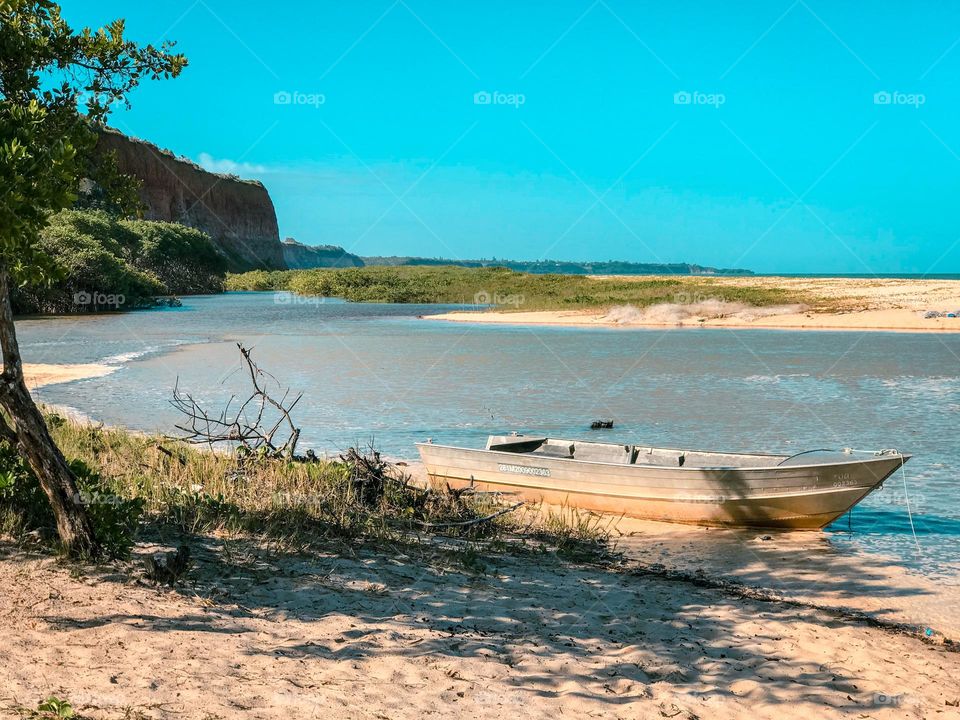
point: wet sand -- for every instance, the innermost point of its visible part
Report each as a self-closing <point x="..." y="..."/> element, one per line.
<point x="812" y="568"/>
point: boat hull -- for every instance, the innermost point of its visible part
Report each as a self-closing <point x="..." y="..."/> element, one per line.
<point x="806" y="497"/>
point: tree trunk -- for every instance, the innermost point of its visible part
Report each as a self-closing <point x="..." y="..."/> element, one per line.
<point x="35" y="444"/>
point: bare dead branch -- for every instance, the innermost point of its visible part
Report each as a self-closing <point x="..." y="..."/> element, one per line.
<point x="243" y="426"/>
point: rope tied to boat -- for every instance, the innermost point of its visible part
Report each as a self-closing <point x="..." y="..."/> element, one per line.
<point x="885" y="451"/>
<point x="903" y="476"/>
<point x="906" y="497"/>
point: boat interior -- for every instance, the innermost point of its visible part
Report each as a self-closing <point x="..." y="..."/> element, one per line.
<point x="640" y="455"/>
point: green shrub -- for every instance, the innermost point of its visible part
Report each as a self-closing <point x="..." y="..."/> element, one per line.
<point x="259" y="280"/>
<point x="54" y="707"/>
<point x="24" y="506"/>
<point x="182" y="258"/>
<point x="115" y="518"/>
<point x="126" y="263"/>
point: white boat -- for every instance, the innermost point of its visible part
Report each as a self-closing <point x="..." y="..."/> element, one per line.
<point x="807" y="490"/>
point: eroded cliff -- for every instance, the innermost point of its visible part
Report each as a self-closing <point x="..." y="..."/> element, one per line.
<point x="238" y="215"/>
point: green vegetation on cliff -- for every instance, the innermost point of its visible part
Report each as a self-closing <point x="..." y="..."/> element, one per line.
<point x="506" y="289"/>
<point x="102" y="262"/>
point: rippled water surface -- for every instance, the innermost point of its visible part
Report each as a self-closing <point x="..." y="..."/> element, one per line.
<point x="377" y="371"/>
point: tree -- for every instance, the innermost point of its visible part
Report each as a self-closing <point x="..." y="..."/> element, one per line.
<point x="47" y="70"/>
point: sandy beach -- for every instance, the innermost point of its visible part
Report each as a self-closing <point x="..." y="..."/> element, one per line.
<point x="357" y="634"/>
<point x="336" y="410"/>
<point x="687" y="623"/>
<point x="40" y="374"/>
<point x="855" y="304"/>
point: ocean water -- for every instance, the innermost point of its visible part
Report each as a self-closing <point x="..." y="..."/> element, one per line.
<point x="378" y="373"/>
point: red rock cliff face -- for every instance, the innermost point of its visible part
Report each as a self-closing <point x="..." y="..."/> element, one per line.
<point x="238" y="215"/>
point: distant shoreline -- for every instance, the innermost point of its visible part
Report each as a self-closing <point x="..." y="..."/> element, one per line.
<point x="852" y="304"/>
<point x="839" y="322"/>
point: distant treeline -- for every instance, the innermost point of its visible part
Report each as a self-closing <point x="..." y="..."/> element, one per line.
<point x="564" y="267"/>
<point x="500" y="287"/>
<point x="102" y="262"/>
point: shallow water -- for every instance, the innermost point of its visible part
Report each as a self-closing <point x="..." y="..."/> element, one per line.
<point x="377" y="372"/>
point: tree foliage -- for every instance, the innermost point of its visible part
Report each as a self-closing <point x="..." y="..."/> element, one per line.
<point x="47" y="70"/>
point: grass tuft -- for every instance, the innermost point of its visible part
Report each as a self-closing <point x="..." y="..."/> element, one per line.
<point x="292" y="504"/>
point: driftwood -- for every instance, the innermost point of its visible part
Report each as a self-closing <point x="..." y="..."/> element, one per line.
<point x="247" y="425"/>
<point x="369" y="475"/>
<point x="474" y="521"/>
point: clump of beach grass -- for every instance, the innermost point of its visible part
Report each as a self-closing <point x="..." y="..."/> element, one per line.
<point x="295" y="504"/>
<point x="573" y="533"/>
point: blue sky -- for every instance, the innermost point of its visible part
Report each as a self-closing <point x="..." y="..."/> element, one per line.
<point x="805" y="136"/>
